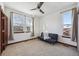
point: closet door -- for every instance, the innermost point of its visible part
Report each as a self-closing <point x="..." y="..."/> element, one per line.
<point x="0" y="30"/>
<point x="78" y="33"/>
<point x="3" y="31"/>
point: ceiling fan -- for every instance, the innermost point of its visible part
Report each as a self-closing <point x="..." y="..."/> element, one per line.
<point x="39" y="5"/>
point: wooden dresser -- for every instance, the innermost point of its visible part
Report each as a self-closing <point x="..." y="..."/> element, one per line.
<point x="3" y="30"/>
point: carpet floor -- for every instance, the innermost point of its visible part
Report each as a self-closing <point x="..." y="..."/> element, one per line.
<point x="37" y="47"/>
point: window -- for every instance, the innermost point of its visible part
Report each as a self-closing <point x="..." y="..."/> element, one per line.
<point x="28" y="24"/>
<point x="67" y="21"/>
<point x="21" y="23"/>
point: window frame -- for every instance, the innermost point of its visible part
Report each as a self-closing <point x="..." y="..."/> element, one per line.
<point x="71" y="23"/>
<point x="11" y="17"/>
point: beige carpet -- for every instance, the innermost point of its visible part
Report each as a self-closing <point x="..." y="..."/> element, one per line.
<point x="39" y="48"/>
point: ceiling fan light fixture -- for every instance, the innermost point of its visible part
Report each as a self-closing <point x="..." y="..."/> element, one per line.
<point x="39" y="5"/>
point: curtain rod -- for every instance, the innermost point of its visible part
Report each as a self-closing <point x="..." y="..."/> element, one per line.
<point x="67" y="10"/>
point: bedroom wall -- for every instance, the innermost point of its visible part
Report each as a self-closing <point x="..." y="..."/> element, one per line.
<point x="20" y="36"/>
<point x="53" y="23"/>
<point x="36" y="26"/>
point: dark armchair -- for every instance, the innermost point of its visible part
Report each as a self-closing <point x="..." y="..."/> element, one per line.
<point x="53" y="38"/>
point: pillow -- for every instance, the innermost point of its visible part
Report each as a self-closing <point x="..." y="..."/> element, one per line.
<point x="46" y="36"/>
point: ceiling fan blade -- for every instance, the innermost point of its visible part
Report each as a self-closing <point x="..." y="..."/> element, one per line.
<point x="34" y="9"/>
<point x="40" y="5"/>
<point x="41" y="11"/>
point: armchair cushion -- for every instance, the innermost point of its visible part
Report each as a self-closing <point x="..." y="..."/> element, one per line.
<point x="46" y="36"/>
<point x="53" y="36"/>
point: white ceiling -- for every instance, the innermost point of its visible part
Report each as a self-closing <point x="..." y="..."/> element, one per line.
<point x="47" y="7"/>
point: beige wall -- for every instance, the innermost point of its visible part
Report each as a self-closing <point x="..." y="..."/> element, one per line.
<point x="36" y="26"/>
<point x="51" y="23"/>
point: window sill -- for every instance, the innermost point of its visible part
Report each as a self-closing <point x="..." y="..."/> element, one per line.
<point x="28" y="32"/>
<point x="18" y="32"/>
<point x="66" y="37"/>
<point x="23" y="32"/>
